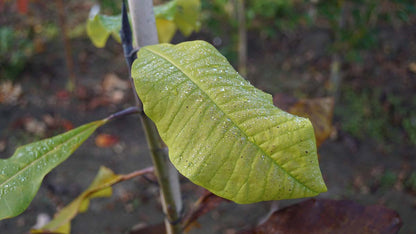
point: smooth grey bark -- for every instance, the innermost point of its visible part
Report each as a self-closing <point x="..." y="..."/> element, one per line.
<point x="145" y="33"/>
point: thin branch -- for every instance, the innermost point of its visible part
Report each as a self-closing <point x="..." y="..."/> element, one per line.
<point x="137" y="173"/>
<point x="125" y="112"/>
<point x="72" y="83"/>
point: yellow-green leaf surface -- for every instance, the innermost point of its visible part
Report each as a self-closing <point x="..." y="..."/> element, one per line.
<point x="100" y="27"/>
<point x="100" y="187"/>
<point x="173" y="15"/>
<point x="223" y="133"/>
<point x="22" y="174"/>
<point x="182" y="14"/>
<point x="187" y="14"/>
<point x="165" y="30"/>
<point x="166" y="11"/>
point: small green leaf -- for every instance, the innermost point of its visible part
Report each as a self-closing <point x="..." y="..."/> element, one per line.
<point x="165" y="30"/>
<point x="166" y="11"/>
<point x="177" y="14"/>
<point x="223" y="133"/>
<point x="100" y="27"/>
<point x="165" y="15"/>
<point x="187" y="16"/>
<point x="173" y="15"/>
<point x="184" y="13"/>
<point x="100" y="187"/>
<point x="22" y="174"/>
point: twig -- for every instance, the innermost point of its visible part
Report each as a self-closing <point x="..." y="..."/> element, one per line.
<point x="67" y="45"/>
<point x="137" y="173"/>
<point x="127" y="111"/>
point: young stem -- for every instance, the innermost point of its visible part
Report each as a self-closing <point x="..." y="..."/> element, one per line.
<point x="67" y="45"/>
<point x="144" y="31"/>
<point x="125" y="112"/>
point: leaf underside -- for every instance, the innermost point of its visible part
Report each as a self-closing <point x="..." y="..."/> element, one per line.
<point x="223" y="133"/>
<point x="22" y="174"/>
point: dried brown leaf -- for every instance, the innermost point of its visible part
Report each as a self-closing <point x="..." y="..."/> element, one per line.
<point x="106" y="140"/>
<point x="330" y="216"/>
<point x="207" y="202"/>
<point x="10" y="93"/>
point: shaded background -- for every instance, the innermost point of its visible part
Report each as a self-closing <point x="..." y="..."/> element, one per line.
<point x="361" y="52"/>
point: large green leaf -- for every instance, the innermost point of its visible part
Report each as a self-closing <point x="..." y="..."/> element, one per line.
<point x="223" y="133"/>
<point x="22" y="174"/>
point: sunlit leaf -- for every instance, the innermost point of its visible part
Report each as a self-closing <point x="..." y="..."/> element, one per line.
<point x="112" y="25"/>
<point x="182" y="14"/>
<point x="100" y="27"/>
<point x="223" y="133"/>
<point x="166" y="11"/>
<point x="187" y="16"/>
<point x="100" y="187"/>
<point x="165" y="30"/>
<point x="330" y="216"/>
<point x="22" y="174"/>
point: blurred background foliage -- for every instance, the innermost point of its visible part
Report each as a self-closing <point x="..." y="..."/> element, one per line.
<point x="354" y="27"/>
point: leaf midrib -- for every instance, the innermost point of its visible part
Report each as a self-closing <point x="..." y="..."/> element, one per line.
<point x="41" y="157"/>
<point x="236" y="125"/>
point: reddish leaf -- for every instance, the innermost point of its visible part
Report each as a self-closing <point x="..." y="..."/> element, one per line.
<point x="106" y="140"/>
<point x="330" y="216"/>
<point x="67" y="125"/>
<point x="22" y="6"/>
<point x="98" y="101"/>
<point x="63" y="94"/>
<point x="55" y="122"/>
<point x="318" y="110"/>
<point x="207" y="202"/>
